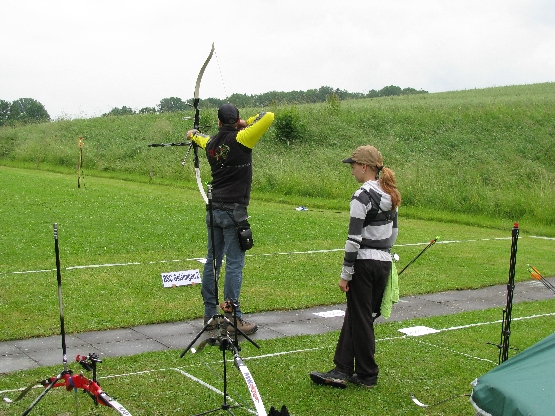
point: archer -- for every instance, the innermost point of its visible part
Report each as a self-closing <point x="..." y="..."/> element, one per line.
<point x="229" y="153"/>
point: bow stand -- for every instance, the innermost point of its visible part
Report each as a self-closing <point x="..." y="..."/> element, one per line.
<point x="66" y="378"/>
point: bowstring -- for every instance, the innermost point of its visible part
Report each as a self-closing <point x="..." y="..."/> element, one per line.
<point x="221" y="73"/>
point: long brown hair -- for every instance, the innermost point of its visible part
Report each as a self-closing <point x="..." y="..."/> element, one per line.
<point x="389" y="184"/>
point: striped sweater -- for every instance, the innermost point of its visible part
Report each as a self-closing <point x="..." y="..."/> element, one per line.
<point x="372" y="227"/>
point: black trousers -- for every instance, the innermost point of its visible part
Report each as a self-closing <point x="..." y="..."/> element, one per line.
<point x="357" y="344"/>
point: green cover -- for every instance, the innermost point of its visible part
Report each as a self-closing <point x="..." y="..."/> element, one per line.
<point x="391" y="293"/>
<point x="522" y="385"/>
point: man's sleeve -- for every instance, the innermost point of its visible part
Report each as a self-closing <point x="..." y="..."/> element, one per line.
<point x="200" y="139"/>
<point x="256" y="127"/>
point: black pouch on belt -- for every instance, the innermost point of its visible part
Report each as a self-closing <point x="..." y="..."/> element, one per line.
<point x="245" y="235"/>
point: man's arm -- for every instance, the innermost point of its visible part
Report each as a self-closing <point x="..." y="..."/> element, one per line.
<point x="198" y="138"/>
<point x="256" y="127"/>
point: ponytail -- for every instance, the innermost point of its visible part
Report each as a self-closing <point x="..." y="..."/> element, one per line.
<point x="389" y="185"/>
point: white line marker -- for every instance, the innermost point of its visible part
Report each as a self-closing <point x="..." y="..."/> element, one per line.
<point x="203" y="260"/>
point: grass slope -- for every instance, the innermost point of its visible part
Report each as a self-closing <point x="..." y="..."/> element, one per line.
<point x="482" y="152"/>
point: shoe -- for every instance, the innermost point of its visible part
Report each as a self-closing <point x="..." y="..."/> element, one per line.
<point x="333" y="378"/>
<point x="245" y="327"/>
<point x="370" y="381"/>
<point x="212" y="328"/>
<point x="213" y="325"/>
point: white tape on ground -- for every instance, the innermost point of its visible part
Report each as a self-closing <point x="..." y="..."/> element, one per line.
<point x="210" y="387"/>
<point x="285" y="253"/>
<point x="277" y="354"/>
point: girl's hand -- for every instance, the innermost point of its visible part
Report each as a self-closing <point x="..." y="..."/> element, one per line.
<point x="343" y="285"/>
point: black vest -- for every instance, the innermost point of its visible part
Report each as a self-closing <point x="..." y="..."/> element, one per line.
<point x="231" y="165"/>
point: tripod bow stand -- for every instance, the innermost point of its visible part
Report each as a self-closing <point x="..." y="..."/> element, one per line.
<point x="66" y="378"/>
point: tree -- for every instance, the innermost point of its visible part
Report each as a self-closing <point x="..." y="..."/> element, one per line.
<point x="390" y="90"/>
<point x="409" y="90"/>
<point x="123" y="111"/>
<point x="4" y="112"/>
<point x="172" y="104"/>
<point x="288" y="126"/>
<point x="36" y="113"/>
<point x="27" y="111"/>
<point x="147" y="110"/>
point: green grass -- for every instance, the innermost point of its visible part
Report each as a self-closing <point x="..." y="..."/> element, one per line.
<point x="117" y="237"/>
<point x="468" y="164"/>
<point x="494" y="146"/>
<point x="433" y="367"/>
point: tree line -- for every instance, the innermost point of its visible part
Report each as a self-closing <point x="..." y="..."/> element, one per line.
<point x="322" y="94"/>
<point x="22" y="111"/>
<point x="27" y="110"/>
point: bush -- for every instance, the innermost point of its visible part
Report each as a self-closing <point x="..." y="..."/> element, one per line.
<point x="288" y="126"/>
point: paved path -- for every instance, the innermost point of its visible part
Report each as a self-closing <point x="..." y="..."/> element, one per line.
<point x="38" y="352"/>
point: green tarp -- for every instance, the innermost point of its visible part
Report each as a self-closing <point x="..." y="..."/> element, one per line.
<point x="522" y="385"/>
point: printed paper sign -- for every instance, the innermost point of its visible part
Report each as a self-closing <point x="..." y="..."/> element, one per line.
<point x="183" y="278"/>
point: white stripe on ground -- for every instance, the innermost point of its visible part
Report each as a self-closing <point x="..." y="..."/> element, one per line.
<point x="286" y="253"/>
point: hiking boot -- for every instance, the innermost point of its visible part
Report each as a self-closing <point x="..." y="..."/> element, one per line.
<point x="245" y="327"/>
<point x="333" y="378"/>
<point x="370" y="381"/>
<point x="213" y="325"/>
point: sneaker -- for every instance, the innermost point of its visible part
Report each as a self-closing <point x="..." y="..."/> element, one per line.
<point x="370" y="381"/>
<point x="333" y="378"/>
<point x="245" y="327"/>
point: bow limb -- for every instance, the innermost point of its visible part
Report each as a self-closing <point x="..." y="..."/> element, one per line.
<point x="199" y="180"/>
<point x="199" y="78"/>
<point x="196" y="126"/>
<point x="107" y="400"/>
<point x="251" y="385"/>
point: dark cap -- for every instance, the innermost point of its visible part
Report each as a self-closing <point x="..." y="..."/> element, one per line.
<point x="228" y="114"/>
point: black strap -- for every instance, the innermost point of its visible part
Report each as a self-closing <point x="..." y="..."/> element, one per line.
<point x="230" y="214"/>
<point x="374" y="215"/>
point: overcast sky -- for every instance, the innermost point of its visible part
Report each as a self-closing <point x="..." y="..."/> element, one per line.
<point x="82" y="58"/>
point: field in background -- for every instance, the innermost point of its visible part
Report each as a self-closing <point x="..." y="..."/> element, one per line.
<point x="477" y="153"/>
<point x="117" y="237"/>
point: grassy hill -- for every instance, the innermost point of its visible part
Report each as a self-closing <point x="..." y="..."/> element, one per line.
<point x="480" y="157"/>
<point x="461" y="155"/>
<point x="468" y="164"/>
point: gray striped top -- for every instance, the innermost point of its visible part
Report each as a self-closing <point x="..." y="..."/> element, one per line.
<point x="372" y="227"/>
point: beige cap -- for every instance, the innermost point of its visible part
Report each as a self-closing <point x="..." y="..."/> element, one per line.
<point x="366" y="155"/>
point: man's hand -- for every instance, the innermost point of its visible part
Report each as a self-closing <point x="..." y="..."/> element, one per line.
<point x="191" y="133"/>
<point x="344" y="285"/>
<point x="241" y="124"/>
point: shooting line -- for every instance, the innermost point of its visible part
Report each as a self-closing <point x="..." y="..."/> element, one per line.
<point x="281" y="253"/>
